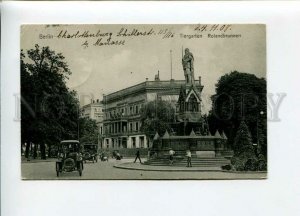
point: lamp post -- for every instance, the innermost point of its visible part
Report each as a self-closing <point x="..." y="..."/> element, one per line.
<point x="261" y="113"/>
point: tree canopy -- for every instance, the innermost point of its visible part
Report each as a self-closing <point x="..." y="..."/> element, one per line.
<point x="156" y="116"/>
<point x="88" y="131"/>
<point x="49" y="110"/>
<point x="240" y="97"/>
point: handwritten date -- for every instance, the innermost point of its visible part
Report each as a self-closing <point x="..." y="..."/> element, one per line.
<point x="213" y="28"/>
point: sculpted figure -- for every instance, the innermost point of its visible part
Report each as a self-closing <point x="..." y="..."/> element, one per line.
<point x="188" y="66"/>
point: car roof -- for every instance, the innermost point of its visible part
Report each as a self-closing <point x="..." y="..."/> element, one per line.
<point x="69" y="141"/>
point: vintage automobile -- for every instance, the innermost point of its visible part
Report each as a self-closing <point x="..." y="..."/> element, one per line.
<point x="90" y="152"/>
<point x="116" y="154"/>
<point x="69" y="157"/>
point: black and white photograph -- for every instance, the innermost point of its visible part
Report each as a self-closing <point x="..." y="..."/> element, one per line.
<point x="150" y="108"/>
<point x="142" y="101"/>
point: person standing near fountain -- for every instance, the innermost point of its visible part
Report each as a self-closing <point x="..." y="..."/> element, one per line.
<point x="189" y="158"/>
<point x="171" y="154"/>
<point x="137" y="156"/>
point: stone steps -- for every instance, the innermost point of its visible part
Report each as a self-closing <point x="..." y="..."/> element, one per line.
<point x="197" y="162"/>
<point x="193" y="159"/>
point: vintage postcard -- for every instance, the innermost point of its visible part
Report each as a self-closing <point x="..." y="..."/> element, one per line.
<point x="142" y="101"/>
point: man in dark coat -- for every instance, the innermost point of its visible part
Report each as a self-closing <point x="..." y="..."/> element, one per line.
<point x="137" y="154"/>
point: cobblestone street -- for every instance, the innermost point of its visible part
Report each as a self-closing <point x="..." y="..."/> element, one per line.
<point x="106" y="170"/>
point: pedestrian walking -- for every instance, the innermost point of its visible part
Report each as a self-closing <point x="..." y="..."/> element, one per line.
<point x="189" y="158"/>
<point x="137" y="156"/>
<point x="171" y="156"/>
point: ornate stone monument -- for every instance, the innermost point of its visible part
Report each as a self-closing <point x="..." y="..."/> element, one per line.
<point x="190" y="131"/>
<point x="189" y="101"/>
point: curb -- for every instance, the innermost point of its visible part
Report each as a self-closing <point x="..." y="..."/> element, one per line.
<point x="149" y="168"/>
<point x="37" y="161"/>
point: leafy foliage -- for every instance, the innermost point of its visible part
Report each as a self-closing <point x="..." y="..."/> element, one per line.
<point x="88" y="131"/>
<point x="49" y="110"/>
<point x="242" y="142"/>
<point x="156" y="116"/>
<point x="240" y="96"/>
<point x="244" y="153"/>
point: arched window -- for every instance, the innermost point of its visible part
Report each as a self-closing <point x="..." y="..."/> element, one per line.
<point x="193" y="104"/>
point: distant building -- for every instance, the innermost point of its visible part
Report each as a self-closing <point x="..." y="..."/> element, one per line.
<point x="94" y="110"/>
<point x="122" y="121"/>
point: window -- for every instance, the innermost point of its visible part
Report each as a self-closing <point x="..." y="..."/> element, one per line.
<point x="107" y="143"/>
<point x="193" y="104"/>
<point x="130" y="126"/>
<point x="124" y="142"/>
<point x="133" y="142"/>
<point x="142" y="144"/>
<point x="136" y="109"/>
<point x="136" y="126"/>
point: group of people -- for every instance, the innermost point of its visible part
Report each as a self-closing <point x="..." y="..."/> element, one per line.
<point x="171" y="157"/>
<point x="188" y="155"/>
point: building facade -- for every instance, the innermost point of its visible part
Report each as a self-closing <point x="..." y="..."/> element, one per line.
<point x="122" y="119"/>
<point x="95" y="111"/>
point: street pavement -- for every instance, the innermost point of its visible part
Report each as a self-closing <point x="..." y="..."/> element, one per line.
<point x="105" y="170"/>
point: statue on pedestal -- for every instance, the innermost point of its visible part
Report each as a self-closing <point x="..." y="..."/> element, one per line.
<point x="188" y="66"/>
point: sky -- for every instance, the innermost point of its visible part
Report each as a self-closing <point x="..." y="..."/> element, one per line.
<point x="98" y="70"/>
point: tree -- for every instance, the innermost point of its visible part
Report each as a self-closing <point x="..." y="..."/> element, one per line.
<point x="88" y="130"/>
<point x="240" y="97"/>
<point x="244" y="155"/>
<point x="156" y="116"/>
<point x="242" y="140"/>
<point x="49" y="110"/>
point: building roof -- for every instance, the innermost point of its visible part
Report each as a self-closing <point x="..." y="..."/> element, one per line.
<point x="174" y="85"/>
<point x="92" y="104"/>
